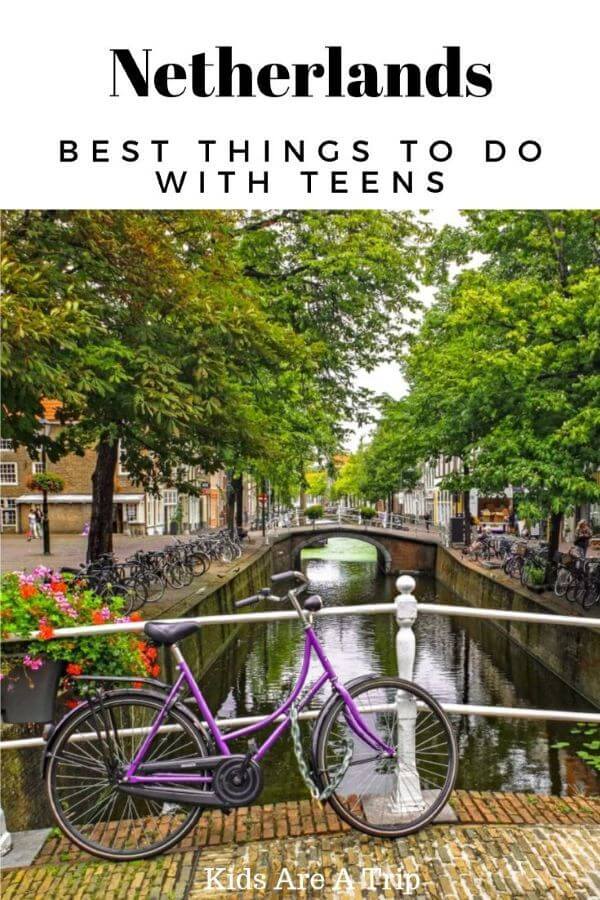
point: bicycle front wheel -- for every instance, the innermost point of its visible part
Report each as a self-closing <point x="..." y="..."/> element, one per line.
<point x="388" y="795"/>
<point x="92" y="751"/>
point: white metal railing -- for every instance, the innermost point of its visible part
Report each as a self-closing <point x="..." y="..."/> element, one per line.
<point x="405" y="609"/>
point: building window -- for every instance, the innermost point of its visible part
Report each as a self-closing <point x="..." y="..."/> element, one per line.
<point x="170" y="498"/>
<point x="37" y="466"/>
<point x="122" y="468"/>
<point x="131" y="512"/>
<point x="8" y="510"/>
<point x="6" y="444"/>
<point x="8" y="473"/>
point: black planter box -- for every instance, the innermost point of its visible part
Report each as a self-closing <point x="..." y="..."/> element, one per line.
<point x="29" y="695"/>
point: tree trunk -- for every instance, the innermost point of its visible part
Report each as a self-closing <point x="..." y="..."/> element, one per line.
<point x="238" y="487"/>
<point x="554" y="536"/>
<point x="103" y="487"/>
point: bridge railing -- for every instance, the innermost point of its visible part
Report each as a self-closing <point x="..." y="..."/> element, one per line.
<point x="405" y="608"/>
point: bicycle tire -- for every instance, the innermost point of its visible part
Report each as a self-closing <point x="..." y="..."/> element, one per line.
<point x="323" y="740"/>
<point x="72" y="770"/>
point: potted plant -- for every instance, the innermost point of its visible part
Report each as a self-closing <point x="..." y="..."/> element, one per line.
<point x="41" y="602"/>
<point x="46" y="481"/>
<point x="534" y="577"/>
<point x="367" y="513"/>
<point x="314" y="512"/>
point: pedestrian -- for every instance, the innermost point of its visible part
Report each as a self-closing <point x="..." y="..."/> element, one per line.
<point x="583" y="534"/>
<point x="38" y="522"/>
<point x="427" y="518"/>
<point x="31" y="521"/>
<point x="512" y="521"/>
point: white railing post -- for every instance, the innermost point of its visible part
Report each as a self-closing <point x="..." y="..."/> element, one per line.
<point x="339" y="514"/>
<point x="5" y="835"/>
<point x="407" y="797"/>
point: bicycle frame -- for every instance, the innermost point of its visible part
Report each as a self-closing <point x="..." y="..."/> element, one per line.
<point x="221" y="740"/>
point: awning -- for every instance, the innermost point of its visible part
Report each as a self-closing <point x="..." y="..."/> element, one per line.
<point x="77" y="498"/>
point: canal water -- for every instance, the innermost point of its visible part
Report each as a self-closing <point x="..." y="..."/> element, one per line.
<point x="457" y="660"/>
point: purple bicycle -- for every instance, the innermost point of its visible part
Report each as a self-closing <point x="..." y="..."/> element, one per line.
<point x="130" y="770"/>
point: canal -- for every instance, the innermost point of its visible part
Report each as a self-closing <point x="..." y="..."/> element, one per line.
<point x="458" y="661"/>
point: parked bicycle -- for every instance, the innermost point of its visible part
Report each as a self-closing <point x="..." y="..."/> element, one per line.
<point x="108" y="580"/>
<point x="145" y="575"/>
<point x="584" y="587"/>
<point x="129" y="771"/>
<point x="569" y="566"/>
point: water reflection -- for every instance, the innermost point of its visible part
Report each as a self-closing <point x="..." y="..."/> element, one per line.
<point x="458" y="660"/>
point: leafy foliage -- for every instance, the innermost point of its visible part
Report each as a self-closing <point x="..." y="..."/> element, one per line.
<point x="198" y="337"/>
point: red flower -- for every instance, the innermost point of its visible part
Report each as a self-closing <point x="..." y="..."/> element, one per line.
<point x="151" y="652"/>
<point x="46" y="632"/>
<point x="137" y="684"/>
<point x="135" y="617"/>
<point x="59" y="587"/>
<point x="97" y="617"/>
<point x="155" y="671"/>
<point x="74" y="669"/>
<point x="72" y="704"/>
<point x="28" y="590"/>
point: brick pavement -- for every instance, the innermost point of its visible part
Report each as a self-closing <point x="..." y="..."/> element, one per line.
<point x="504" y="845"/>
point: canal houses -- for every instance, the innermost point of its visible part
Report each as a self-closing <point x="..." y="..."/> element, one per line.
<point x="135" y="510"/>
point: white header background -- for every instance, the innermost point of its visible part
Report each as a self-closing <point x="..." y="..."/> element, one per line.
<point x="57" y="74"/>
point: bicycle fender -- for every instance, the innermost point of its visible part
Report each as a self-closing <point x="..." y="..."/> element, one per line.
<point x="180" y="707"/>
<point x="327" y="706"/>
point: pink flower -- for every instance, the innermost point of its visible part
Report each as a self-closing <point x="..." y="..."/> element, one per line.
<point x="33" y="662"/>
<point x="64" y="605"/>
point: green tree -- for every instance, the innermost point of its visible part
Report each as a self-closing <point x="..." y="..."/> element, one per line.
<point x="504" y="372"/>
<point x="165" y="369"/>
<point x="391" y="457"/>
<point x="352" y="477"/>
<point x="317" y="482"/>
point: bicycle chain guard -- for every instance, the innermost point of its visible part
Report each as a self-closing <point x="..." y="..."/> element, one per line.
<point x="237" y="783"/>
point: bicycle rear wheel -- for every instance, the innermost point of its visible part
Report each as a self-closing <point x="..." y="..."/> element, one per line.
<point x="388" y="796"/>
<point x="563" y="579"/>
<point x="87" y="759"/>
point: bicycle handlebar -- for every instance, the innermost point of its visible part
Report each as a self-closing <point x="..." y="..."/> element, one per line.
<point x="247" y="602"/>
<point x="284" y="576"/>
<point x="265" y="593"/>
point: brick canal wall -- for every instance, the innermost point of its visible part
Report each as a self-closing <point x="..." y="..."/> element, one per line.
<point x="571" y="653"/>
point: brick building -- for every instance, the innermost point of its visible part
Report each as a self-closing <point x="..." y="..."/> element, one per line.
<point x="134" y="510"/>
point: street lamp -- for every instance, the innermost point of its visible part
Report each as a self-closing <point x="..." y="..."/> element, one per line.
<point x="45" y="520"/>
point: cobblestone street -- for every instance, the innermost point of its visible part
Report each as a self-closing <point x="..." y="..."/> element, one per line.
<point x="503" y="845"/>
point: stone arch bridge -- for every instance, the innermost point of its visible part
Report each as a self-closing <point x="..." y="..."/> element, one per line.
<point x="397" y="551"/>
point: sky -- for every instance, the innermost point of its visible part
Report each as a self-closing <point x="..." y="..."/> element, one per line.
<point x="387" y="378"/>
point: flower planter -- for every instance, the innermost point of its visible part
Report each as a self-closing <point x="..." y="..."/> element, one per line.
<point x="29" y="695"/>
